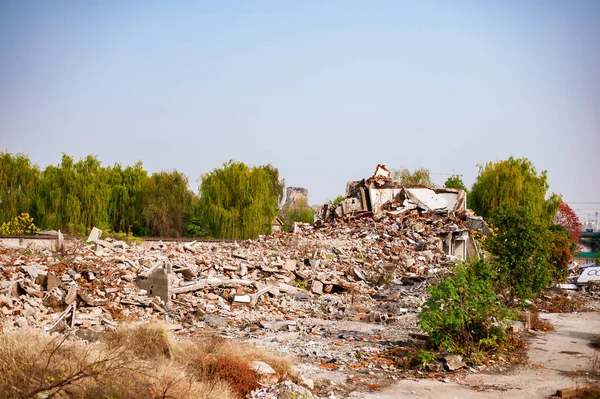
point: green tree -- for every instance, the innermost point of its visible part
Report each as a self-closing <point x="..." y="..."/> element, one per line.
<point x="419" y="176"/>
<point x="19" y="180"/>
<point x="455" y="181"/>
<point x="73" y="196"/>
<point x="126" y="204"/>
<point x="238" y="201"/>
<point x="299" y="212"/>
<point x="513" y="182"/>
<point x="520" y="248"/>
<point x="167" y="199"/>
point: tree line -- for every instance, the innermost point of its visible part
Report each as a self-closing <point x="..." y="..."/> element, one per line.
<point x="235" y="201"/>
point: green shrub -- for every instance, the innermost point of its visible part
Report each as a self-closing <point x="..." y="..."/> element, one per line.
<point x="425" y="357"/>
<point x="464" y="315"/>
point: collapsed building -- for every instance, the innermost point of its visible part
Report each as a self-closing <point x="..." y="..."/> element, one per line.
<point x="381" y="194"/>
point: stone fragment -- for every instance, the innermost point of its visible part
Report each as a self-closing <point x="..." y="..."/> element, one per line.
<point x="242" y="299"/>
<point x="317" y="287"/>
<point x="105" y="244"/>
<point x="290" y="265"/>
<point x="94" y="235"/>
<point x="215" y="321"/>
<point x="454" y="362"/>
<point x="157" y="284"/>
<point x="52" y="282"/>
<point x="71" y="295"/>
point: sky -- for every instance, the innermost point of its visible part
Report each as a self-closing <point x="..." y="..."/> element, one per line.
<point x="323" y="90"/>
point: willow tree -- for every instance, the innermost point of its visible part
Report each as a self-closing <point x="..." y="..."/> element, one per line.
<point x="238" y="201"/>
<point x="73" y="196"/>
<point x="166" y="199"/>
<point x="18" y="182"/>
<point x="125" y="206"/>
<point x="514" y="183"/>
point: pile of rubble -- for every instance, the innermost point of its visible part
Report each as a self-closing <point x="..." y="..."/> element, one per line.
<point x="370" y="269"/>
<point x="369" y="259"/>
<point x="337" y="293"/>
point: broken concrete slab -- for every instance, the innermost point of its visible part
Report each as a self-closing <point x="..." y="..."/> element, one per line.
<point x="157" y="284"/>
<point x="454" y="362"/>
<point x="317" y="287"/>
<point x="71" y="295"/>
<point x="94" y="235"/>
<point x="52" y="282"/>
<point x="290" y="265"/>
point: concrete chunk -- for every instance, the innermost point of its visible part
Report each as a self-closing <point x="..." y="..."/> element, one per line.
<point x="157" y="284"/>
<point x="290" y="265"/>
<point x="94" y="235"/>
<point x="317" y="287"/>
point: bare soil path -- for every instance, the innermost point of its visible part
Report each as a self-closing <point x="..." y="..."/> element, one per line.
<point x="562" y="358"/>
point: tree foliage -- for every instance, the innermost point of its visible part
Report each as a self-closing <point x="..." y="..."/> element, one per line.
<point x="75" y="196"/>
<point x="566" y="217"/>
<point x="299" y="212"/>
<point x="513" y="182"/>
<point x="561" y="252"/>
<point x="455" y="181"/>
<point x="337" y="200"/>
<point x="166" y="200"/>
<point x="19" y="180"/>
<point x="417" y="177"/>
<point x="238" y="201"/>
<point x="520" y="249"/>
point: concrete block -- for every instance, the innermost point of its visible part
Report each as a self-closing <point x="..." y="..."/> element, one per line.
<point x="157" y="284"/>
<point x="317" y="287"/>
<point x="94" y="235"/>
<point x="290" y="265"/>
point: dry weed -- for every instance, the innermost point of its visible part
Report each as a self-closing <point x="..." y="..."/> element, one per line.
<point x="147" y="341"/>
<point x="217" y="358"/>
<point x="133" y="362"/>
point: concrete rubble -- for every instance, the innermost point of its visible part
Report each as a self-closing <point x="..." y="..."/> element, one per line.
<point x="346" y="279"/>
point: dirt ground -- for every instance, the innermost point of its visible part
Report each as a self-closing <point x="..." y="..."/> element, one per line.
<point x="561" y="358"/>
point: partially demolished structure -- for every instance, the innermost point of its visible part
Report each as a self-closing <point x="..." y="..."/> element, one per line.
<point x="381" y="195"/>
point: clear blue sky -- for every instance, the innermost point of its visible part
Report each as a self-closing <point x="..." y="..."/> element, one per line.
<point x="323" y="90"/>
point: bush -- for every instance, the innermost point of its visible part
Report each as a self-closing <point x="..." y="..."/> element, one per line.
<point x="464" y="315"/>
<point x="19" y="226"/>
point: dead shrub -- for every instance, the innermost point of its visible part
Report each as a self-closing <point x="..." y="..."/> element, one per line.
<point x="217" y="358"/>
<point x="37" y="365"/>
<point x="141" y="361"/>
<point x="537" y="323"/>
<point x="146" y="341"/>
<point x="33" y="364"/>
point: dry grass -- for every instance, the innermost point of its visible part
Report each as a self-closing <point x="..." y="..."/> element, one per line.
<point x="145" y="341"/>
<point x="133" y="362"/>
<point x="217" y="358"/>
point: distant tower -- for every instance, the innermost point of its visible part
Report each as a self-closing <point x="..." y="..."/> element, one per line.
<point x="295" y="196"/>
